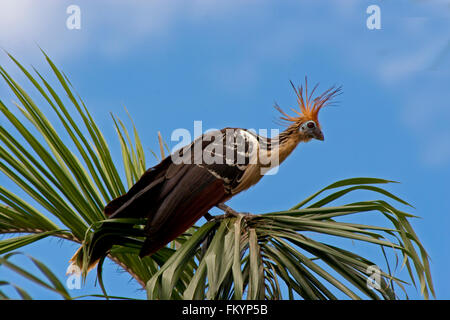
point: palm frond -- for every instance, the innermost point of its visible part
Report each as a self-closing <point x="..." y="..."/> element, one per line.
<point x="254" y="253"/>
<point x="67" y="175"/>
<point x="51" y="281"/>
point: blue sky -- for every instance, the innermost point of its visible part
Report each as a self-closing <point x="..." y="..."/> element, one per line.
<point x="226" y="63"/>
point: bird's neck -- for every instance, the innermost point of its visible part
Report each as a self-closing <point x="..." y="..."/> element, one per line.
<point x="288" y="141"/>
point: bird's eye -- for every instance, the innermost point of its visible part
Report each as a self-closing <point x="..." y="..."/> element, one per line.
<point x="311" y="125"/>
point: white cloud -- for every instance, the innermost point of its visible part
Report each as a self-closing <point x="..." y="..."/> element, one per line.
<point x="111" y="27"/>
<point x="27" y="24"/>
<point x="436" y="151"/>
<point x="409" y="63"/>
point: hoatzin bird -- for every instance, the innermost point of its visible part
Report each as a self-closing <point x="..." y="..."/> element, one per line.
<point x="183" y="187"/>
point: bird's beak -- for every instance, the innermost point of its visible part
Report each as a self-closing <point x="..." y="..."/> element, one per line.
<point x="318" y="134"/>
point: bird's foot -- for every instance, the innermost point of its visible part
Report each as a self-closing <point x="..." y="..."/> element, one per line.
<point x="228" y="210"/>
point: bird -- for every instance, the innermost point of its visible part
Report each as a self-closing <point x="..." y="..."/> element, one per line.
<point x="206" y="173"/>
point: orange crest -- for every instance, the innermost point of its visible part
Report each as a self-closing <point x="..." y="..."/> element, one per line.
<point x="309" y="106"/>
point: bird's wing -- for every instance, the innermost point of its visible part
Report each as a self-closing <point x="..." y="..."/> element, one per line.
<point x="235" y="158"/>
<point x="174" y="195"/>
<point x="149" y="181"/>
<point x="195" y="192"/>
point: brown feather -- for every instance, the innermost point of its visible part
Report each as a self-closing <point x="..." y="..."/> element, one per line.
<point x="117" y="205"/>
<point x="196" y="192"/>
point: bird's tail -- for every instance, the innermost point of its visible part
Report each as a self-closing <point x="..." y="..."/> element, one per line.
<point x="89" y="253"/>
<point x="77" y="265"/>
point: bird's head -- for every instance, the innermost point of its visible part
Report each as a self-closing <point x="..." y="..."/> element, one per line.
<point x="305" y="124"/>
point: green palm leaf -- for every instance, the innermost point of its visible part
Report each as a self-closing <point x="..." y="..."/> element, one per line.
<point x="70" y="180"/>
<point x="280" y="247"/>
